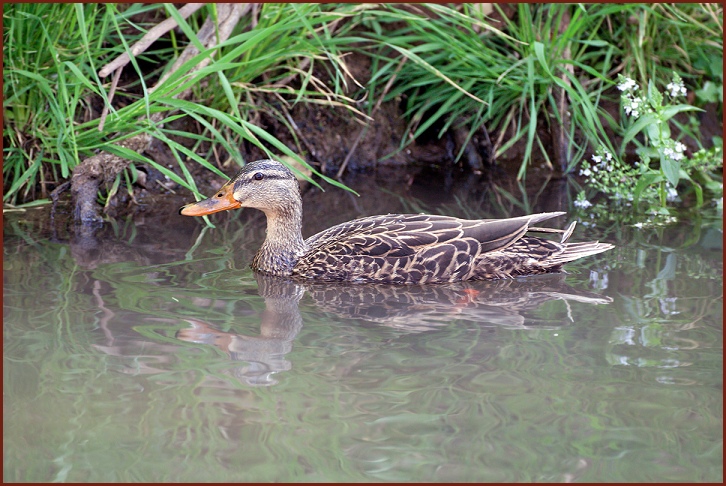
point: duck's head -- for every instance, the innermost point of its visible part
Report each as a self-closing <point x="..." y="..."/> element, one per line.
<point x="266" y="185"/>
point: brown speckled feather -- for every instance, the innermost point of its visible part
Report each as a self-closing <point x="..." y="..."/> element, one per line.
<point x="408" y="248"/>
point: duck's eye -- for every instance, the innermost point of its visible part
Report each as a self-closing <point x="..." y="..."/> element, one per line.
<point x="258" y="176"/>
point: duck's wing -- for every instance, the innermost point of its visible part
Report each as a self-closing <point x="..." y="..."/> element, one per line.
<point x="405" y="248"/>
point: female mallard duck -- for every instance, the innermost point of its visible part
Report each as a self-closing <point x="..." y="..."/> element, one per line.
<point x="395" y="248"/>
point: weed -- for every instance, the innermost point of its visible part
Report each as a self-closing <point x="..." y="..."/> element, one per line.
<point x="655" y="184"/>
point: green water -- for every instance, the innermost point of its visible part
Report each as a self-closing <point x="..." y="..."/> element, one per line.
<point x="150" y="352"/>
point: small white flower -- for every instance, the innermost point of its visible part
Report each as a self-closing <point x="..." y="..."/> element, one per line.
<point x="597" y="159"/>
<point x="608" y="156"/>
<point x="676" y="154"/>
<point x="586" y="172"/>
<point x="672" y="194"/>
<point x="676" y="89"/>
<point x="583" y="204"/>
<point x="631" y="106"/>
<point x="627" y="85"/>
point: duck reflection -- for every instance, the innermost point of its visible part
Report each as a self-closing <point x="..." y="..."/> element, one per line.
<point x="425" y="307"/>
<point x="406" y="308"/>
<point x="265" y="354"/>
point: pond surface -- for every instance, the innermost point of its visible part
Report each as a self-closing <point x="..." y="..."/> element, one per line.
<point x="147" y="350"/>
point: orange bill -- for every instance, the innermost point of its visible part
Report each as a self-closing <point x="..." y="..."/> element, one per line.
<point x="222" y="201"/>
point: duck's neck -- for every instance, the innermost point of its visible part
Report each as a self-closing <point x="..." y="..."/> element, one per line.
<point x="284" y="243"/>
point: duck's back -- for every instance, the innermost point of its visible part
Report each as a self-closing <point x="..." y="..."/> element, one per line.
<point x="419" y="248"/>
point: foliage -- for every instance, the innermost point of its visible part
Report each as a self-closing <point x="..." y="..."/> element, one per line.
<point x="656" y="40"/>
<point x="652" y="112"/>
<point x="449" y="66"/>
<point x="50" y="78"/>
<point x="44" y="92"/>
<point x="462" y="71"/>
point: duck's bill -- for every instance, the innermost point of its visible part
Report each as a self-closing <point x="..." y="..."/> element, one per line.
<point x="221" y="201"/>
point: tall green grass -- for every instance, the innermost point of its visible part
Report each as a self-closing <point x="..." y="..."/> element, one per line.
<point x="462" y="69"/>
<point x="50" y="79"/>
<point x="44" y="91"/>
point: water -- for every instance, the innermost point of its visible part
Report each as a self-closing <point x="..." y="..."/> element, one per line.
<point x="148" y="351"/>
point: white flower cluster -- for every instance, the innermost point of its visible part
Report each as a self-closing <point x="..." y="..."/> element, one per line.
<point x="676" y="87"/>
<point x="582" y="203"/>
<point x="627" y="84"/>
<point x="633" y="105"/>
<point x="603" y="159"/>
<point x="602" y="162"/>
<point x="675" y="153"/>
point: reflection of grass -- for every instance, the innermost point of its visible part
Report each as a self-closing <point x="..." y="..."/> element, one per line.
<point x="488" y="200"/>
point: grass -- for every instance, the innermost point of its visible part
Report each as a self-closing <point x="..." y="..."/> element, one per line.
<point x="47" y="138"/>
<point x="462" y="69"/>
<point x="496" y="77"/>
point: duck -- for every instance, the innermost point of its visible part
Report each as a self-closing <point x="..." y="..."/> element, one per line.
<point x="390" y="248"/>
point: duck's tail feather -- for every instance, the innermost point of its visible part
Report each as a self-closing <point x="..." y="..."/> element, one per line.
<point x="566" y="233"/>
<point x="575" y="251"/>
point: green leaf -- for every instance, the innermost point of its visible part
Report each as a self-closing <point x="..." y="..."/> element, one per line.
<point x="540" y="53"/>
<point x="637" y="127"/>
<point x="83" y="79"/>
<point x="532" y="121"/>
<point x="654" y="96"/>
<point x="30" y="172"/>
<point x="710" y="93"/>
<point x="593" y="43"/>
<point x="696" y="187"/>
<point x="659" y="131"/>
<point x="32" y="204"/>
<point x="184" y="26"/>
<point x="670" y="111"/>
<point x="671" y="170"/>
<point x="645" y="181"/>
